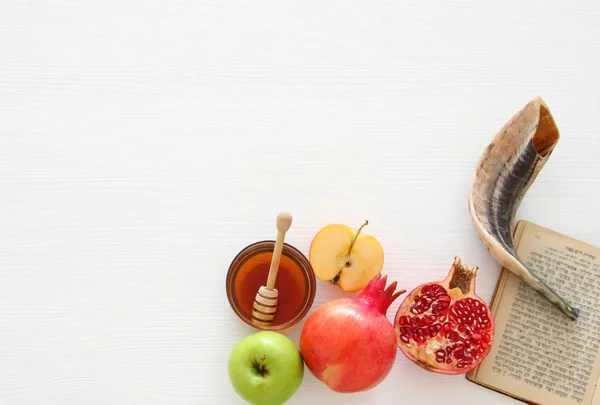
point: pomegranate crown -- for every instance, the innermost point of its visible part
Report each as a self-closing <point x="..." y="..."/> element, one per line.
<point x="461" y="277"/>
<point x="378" y="296"/>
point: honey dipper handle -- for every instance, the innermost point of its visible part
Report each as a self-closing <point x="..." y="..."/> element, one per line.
<point x="284" y="221"/>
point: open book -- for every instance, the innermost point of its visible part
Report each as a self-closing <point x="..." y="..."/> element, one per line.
<point x="539" y="355"/>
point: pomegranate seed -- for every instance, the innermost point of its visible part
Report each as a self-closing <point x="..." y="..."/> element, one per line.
<point x="404" y="338"/>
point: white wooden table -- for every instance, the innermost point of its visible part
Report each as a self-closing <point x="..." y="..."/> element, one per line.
<point x="143" y="143"/>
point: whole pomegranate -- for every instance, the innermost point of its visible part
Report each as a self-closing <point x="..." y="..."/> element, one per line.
<point x="444" y="326"/>
<point x="348" y="343"/>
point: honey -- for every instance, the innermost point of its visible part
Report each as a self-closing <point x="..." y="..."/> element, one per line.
<point x="295" y="283"/>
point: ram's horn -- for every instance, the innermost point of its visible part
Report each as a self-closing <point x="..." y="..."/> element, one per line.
<point x="504" y="173"/>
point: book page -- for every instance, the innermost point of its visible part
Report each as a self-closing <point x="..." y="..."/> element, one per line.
<point x="539" y="354"/>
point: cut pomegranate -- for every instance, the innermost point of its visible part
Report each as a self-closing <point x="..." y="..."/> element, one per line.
<point x="444" y="326"/>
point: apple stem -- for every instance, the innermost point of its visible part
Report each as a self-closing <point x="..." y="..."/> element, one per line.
<point x="354" y="240"/>
<point x="261" y="364"/>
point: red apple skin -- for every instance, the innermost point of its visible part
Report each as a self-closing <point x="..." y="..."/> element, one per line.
<point x="343" y="351"/>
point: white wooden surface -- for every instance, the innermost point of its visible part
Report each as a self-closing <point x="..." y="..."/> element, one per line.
<point x="143" y="143"/>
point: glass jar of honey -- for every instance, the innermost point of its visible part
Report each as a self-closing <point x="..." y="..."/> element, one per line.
<point x="295" y="282"/>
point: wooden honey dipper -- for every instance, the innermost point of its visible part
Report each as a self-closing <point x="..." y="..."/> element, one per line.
<point x="267" y="297"/>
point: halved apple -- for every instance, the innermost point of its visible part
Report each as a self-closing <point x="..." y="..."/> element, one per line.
<point x="345" y="256"/>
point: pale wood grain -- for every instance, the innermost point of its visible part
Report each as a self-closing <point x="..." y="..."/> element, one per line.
<point x="137" y="153"/>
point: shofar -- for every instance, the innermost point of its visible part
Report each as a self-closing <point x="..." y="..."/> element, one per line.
<point x="504" y="173"/>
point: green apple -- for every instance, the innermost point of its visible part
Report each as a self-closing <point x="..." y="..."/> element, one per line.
<point x="266" y="368"/>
